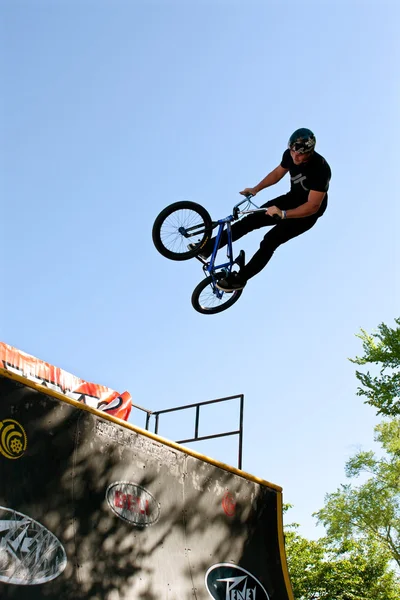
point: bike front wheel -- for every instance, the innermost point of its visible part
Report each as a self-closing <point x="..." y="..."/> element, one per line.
<point x="179" y="225"/>
<point x="208" y="299"/>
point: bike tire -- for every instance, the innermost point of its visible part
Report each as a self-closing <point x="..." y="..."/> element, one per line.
<point x="210" y="304"/>
<point x="166" y="236"/>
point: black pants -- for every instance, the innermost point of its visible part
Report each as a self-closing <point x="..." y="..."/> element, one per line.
<point x="281" y="232"/>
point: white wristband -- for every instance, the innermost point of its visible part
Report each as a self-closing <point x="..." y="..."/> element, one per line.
<point x="284" y="214"/>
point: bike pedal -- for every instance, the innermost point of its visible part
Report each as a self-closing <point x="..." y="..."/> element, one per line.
<point x="204" y="262"/>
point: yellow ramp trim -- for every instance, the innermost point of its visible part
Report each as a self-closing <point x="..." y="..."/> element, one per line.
<point x="98" y="413"/>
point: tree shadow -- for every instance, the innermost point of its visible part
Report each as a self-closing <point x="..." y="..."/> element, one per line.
<point x="61" y="481"/>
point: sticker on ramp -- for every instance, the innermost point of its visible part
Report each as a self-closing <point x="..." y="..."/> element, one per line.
<point x="226" y="581"/>
<point x="229" y="504"/>
<point x="29" y="553"/>
<point x="13" y="441"/>
<point x="133" y="503"/>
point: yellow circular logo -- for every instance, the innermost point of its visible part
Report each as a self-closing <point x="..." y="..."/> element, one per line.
<point x="13" y="440"/>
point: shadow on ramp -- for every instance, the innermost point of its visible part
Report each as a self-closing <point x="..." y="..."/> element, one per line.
<point x="93" y="508"/>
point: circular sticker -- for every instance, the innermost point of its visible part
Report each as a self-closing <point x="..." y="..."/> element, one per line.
<point x="229" y="504"/>
<point x="13" y="441"/>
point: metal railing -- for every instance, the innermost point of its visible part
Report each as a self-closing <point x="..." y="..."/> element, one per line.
<point x="145" y="410"/>
<point x="197" y="438"/>
<point x="197" y="405"/>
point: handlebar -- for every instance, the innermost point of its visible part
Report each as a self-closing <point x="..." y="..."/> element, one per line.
<point x="235" y="211"/>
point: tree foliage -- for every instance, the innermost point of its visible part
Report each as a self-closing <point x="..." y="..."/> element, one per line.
<point x="370" y="511"/>
<point x="354" y="570"/>
<point x="359" y="557"/>
<point x="383" y="350"/>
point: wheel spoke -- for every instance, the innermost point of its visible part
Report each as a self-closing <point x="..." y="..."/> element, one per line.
<point x="175" y="219"/>
<point x="170" y="235"/>
<point x="211" y="299"/>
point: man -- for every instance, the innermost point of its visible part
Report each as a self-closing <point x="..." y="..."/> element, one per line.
<point x="298" y="210"/>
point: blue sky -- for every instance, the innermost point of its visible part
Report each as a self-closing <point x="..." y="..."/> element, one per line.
<point x="113" y="110"/>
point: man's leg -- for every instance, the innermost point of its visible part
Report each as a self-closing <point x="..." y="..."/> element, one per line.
<point x="243" y="226"/>
<point x="280" y="234"/>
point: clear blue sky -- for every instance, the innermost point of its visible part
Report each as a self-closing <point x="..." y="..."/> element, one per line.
<point x="111" y="111"/>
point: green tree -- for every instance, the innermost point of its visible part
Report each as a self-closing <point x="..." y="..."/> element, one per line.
<point x="359" y="558"/>
<point x="351" y="571"/>
<point x="381" y="349"/>
<point x="370" y="511"/>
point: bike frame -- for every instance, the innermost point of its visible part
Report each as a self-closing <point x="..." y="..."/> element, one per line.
<point x="211" y="267"/>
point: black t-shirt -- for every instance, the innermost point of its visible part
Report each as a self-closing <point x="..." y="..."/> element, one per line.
<point x="314" y="175"/>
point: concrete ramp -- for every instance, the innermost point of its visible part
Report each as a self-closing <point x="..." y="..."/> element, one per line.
<point x="93" y="508"/>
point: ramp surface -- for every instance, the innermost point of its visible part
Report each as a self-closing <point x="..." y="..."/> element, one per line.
<point x="93" y="508"/>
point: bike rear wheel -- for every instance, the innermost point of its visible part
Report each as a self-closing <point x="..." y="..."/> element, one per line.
<point x="209" y="300"/>
<point x="178" y="225"/>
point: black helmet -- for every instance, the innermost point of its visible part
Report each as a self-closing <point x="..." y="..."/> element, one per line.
<point x="302" y="141"/>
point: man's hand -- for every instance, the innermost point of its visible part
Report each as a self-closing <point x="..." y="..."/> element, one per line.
<point x="272" y="178"/>
<point x="248" y="192"/>
<point x="274" y="210"/>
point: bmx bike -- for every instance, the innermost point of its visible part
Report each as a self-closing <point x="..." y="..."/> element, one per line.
<point x="180" y="232"/>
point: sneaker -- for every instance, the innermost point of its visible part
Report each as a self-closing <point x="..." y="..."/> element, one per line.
<point x="231" y="282"/>
<point x="203" y="254"/>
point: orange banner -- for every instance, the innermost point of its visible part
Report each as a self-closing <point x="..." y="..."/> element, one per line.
<point x="42" y="373"/>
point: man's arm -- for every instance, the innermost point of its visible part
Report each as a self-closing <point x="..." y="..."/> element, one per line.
<point x="272" y="178"/>
<point x="307" y="209"/>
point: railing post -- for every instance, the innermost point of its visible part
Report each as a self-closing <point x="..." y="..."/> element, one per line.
<point x="147" y="421"/>
<point x="196" y="429"/>
<point x="241" y="430"/>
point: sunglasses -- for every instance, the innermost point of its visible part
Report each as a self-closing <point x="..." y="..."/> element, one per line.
<point x="298" y="147"/>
